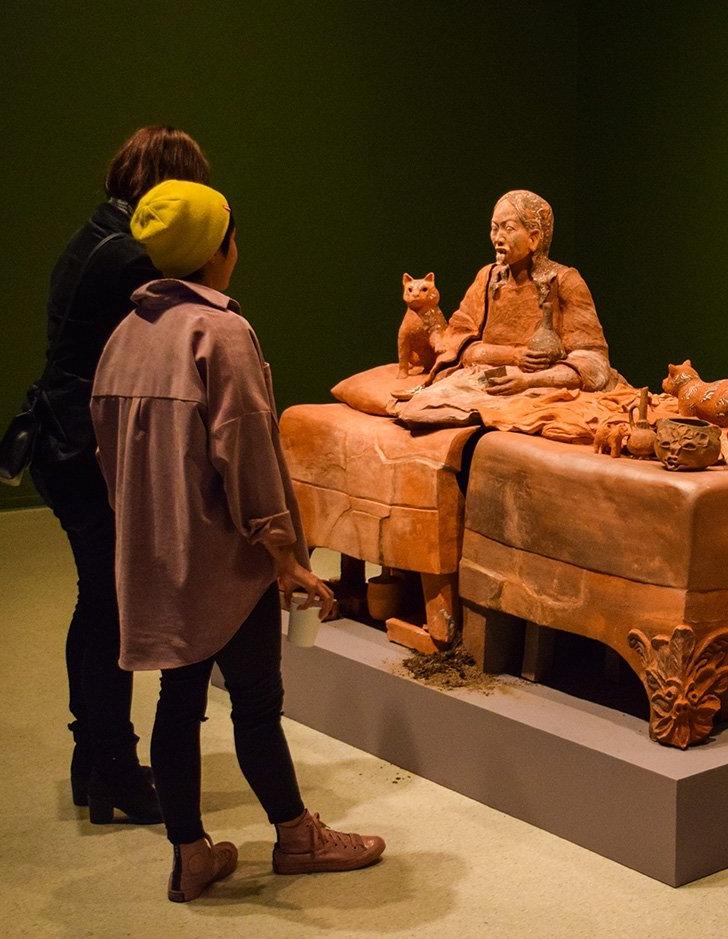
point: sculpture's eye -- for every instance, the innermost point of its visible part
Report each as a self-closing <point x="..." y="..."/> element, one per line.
<point x="665" y="443"/>
<point x="689" y="446"/>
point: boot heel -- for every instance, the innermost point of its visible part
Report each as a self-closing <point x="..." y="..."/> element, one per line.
<point x="100" y="811"/>
<point x="79" y="790"/>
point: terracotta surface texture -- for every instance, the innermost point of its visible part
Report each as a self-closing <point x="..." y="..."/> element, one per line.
<point x="422" y="326"/>
<point x="696" y="397"/>
<point x="618" y="550"/>
<point x="368" y="488"/>
<point x="688" y="443"/>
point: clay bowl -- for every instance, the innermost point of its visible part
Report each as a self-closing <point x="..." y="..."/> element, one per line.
<point x="687" y="443"/>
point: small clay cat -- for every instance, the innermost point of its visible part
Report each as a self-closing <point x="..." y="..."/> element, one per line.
<point x="697" y="398"/>
<point x="423" y="323"/>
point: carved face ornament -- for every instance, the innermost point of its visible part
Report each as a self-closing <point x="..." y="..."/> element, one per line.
<point x="687" y="444"/>
<point x="684" y="681"/>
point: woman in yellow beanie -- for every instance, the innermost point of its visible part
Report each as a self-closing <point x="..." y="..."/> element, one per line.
<point x="207" y="529"/>
<point x="90" y="291"/>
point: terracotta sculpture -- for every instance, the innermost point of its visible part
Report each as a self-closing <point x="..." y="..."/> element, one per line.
<point x="521" y="301"/>
<point x="687" y="443"/>
<point x="616" y="550"/>
<point x="698" y="398"/>
<point x="418" y="338"/>
<point x="641" y="440"/>
<point x="388" y="495"/>
<point x="610" y="437"/>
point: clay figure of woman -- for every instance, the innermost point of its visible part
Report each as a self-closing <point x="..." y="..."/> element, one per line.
<point x="504" y="307"/>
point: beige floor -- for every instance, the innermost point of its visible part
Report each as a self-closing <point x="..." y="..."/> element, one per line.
<point x="453" y="867"/>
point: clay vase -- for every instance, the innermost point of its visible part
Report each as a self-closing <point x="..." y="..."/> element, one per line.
<point x="546" y="339"/>
<point x="687" y="443"/>
<point x="641" y="440"/>
<point x="385" y="595"/>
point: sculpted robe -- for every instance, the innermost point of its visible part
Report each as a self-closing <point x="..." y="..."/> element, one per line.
<point x="511" y="316"/>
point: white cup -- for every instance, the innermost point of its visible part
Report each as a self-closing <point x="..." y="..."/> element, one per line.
<point x="303" y="625"/>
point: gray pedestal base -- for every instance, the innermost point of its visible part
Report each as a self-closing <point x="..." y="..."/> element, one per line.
<point x="582" y="771"/>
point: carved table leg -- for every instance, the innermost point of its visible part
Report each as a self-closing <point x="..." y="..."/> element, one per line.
<point x="538" y="652"/>
<point x="441" y="606"/>
<point x="442" y="614"/>
<point x="493" y="638"/>
<point x="685" y="679"/>
<point x="351" y="589"/>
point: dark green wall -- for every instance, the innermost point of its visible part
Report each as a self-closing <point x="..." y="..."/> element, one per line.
<point x="651" y="181"/>
<point x="355" y="140"/>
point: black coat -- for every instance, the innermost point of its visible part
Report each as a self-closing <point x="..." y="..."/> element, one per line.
<point x="101" y="302"/>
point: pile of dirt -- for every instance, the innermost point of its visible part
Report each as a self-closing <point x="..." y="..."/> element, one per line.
<point x="453" y="668"/>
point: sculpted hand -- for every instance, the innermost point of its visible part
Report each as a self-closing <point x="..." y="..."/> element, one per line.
<point x="509" y="385"/>
<point x="292" y="575"/>
<point x="530" y="361"/>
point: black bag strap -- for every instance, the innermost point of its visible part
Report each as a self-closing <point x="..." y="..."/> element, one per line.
<point x="40" y="384"/>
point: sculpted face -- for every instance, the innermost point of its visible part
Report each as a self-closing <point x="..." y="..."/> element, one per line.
<point x="512" y="241"/>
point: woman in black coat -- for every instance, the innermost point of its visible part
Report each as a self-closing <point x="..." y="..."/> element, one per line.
<point x="96" y="275"/>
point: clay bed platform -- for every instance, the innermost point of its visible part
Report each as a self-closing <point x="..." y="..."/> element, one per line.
<point x="582" y="771"/>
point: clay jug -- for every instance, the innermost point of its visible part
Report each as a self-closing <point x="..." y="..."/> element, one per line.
<point x="385" y="595"/>
<point x="641" y="440"/>
<point x="546" y="339"/>
<point x="687" y="443"/>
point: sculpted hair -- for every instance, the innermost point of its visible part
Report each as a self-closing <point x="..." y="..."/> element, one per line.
<point x="151" y="155"/>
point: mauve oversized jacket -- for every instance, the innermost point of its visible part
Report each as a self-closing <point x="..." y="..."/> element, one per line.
<point x="188" y="443"/>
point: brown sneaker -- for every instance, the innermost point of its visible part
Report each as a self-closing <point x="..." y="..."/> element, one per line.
<point x="197" y="865"/>
<point x="310" y="847"/>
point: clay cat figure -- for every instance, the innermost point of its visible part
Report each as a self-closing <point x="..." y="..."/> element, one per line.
<point x="697" y="398"/>
<point x="423" y="323"/>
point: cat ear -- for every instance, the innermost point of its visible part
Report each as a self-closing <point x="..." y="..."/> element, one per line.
<point x="688" y="363"/>
<point x="671" y="369"/>
<point x="429" y="276"/>
<point x="407" y="278"/>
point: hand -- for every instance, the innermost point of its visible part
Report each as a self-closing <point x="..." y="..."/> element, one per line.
<point x="530" y="361"/>
<point x="510" y="384"/>
<point x="296" y="576"/>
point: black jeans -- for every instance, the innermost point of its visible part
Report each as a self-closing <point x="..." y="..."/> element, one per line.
<point x="251" y="666"/>
<point x="99" y="691"/>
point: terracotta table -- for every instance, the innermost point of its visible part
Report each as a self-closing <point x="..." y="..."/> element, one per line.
<point x="371" y="490"/>
<point x="619" y="550"/>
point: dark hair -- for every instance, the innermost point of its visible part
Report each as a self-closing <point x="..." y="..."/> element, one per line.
<point x="196" y="276"/>
<point x="151" y="155"/>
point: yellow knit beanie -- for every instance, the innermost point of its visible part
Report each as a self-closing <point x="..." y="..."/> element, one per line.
<point x="181" y="225"/>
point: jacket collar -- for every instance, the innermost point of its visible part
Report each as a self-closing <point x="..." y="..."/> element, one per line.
<point x="168" y="292"/>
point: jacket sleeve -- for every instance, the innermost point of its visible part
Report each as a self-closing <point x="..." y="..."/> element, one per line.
<point x="243" y="432"/>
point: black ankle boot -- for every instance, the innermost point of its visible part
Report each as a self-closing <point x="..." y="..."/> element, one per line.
<point x="127" y="787"/>
<point x="82" y="763"/>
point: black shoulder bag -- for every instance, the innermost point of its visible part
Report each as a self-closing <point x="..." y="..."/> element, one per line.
<point x="18" y="441"/>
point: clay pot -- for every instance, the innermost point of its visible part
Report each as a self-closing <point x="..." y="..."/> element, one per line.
<point x="385" y="595"/>
<point x="641" y="440"/>
<point x="546" y="339"/>
<point x="687" y="443"/>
